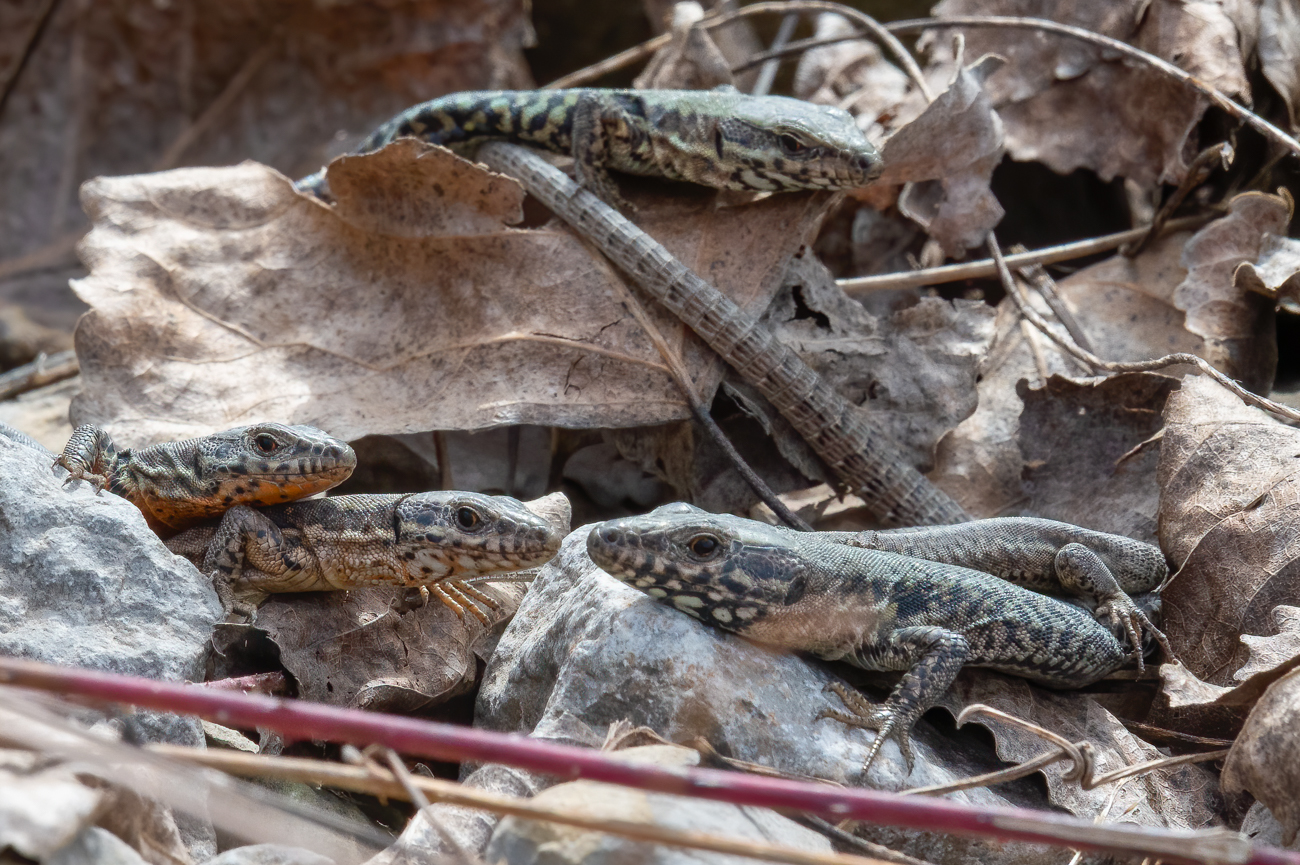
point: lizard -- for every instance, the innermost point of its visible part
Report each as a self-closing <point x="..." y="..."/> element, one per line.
<point x="433" y="540"/>
<point x="721" y="138"/>
<point x="1044" y="556"/>
<point x="180" y="483"/>
<point x="875" y="609"/>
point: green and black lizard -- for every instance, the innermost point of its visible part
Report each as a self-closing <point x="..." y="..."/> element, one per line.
<point x="719" y="138"/>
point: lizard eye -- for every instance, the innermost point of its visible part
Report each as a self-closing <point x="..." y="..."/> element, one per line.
<point x="704" y="546"/>
<point x="467" y="518"/>
<point x="791" y="145"/>
<point x="265" y="442"/>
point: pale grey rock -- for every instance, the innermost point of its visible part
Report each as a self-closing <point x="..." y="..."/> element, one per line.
<point x="528" y="842"/>
<point x="84" y="582"/>
<point x="95" y="846"/>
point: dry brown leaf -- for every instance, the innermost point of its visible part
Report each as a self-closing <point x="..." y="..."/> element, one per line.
<point x="1268" y="653"/>
<point x="1265" y="758"/>
<point x="1085" y="458"/>
<point x="1236" y="325"/>
<point x="1179" y="797"/>
<point x="220" y="296"/>
<point x="1279" y="51"/>
<point x="1275" y="274"/>
<point x="351" y="649"/>
<point x="980" y="462"/>
<point x="1230" y="514"/>
<point x="1070" y="105"/>
<point x="948" y="154"/>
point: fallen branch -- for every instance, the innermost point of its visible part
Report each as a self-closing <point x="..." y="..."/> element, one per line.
<point x="303" y="720"/>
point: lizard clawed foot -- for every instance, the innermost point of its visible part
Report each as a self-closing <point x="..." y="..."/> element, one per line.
<point x="883" y="720"/>
<point x="1121" y="611"/>
<point x="77" y="472"/>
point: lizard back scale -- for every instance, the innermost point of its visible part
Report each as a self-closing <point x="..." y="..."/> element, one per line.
<point x="874" y="609"/>
<point x="719" y="138"/>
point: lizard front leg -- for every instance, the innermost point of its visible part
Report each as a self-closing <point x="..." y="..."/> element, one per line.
<point x="592" y="123"/>
<point x="251" y="554"/>
<point x="90" y="455"/>
<point x="1083" y="573"/>
<point x="932" y="657"/>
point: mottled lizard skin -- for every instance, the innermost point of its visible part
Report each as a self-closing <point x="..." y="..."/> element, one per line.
<point x="877" y="610"/>
<point x="719" y="138"/>
<point x="435" y="540"/>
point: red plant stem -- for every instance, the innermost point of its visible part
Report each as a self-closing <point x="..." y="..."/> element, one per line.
<point x="305" y="720"/>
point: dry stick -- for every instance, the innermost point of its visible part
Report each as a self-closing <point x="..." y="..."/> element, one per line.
<point x="864" y="456"/>
<point x="677" y="369"/>
<point x="1197" y="172"/>
<point x="301" y="719"/>
<point x="1022" y="304"/>
<point x="712" y="20"/>
<point x="376" y="782"/>
<point x="1079" y="753"/>
<point x="859" y="285"/>
<point x="40" y="372"/>
<point x="1037" y="276"/>
<point x="767" y="75"/>
<point x="237" y="84"/>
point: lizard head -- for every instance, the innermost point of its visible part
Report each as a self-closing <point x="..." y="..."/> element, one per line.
<point x="450" y="533"/>
<point x="724" y="570"/>
<point x="258" y="464"/>
<point x="782" y="144"/>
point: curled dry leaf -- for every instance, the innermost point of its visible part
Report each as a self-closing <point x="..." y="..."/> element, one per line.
<point x="1276" y="273"/>
<point x="948" y="154"/>
<point x="1056" y="94"/>
<point x="1270" y="652"/>
<point x="1230" y="516"/>
<point x="221" y="296"/>
<point x="1236" y="325"/>
<point x="1178" y="797"/>
<point x="1265" y="758"/>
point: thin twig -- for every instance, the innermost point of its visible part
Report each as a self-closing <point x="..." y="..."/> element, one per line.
<point x="237" y="84"/>
<point x="873" y="28"/>
<point x="612" y="64"/>
<point x="1022" y="304"/>
<point x="30" y="41"/>
<point x="1037" y="276"/>
<point x="986" y="267"/>
<point x="1079" y="753"/>
<point x="40" y="372"/>
<point x="766" y="75"/>
<point x="1268" y="130"/>
<point x="1200" y="169"/>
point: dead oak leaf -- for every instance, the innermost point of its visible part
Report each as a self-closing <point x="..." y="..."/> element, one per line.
<point x="1265" y="758"/>
<point x="1230" y="516"/>
<point x="1057" y="94"/>
<point x="220" y="296"/>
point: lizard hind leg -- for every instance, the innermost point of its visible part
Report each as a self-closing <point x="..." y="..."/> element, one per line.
<point x="932" y="658"/>
<point x="590" y="151"/>
<point x="1082" y="571"/>
<point x="89" y="455"/>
